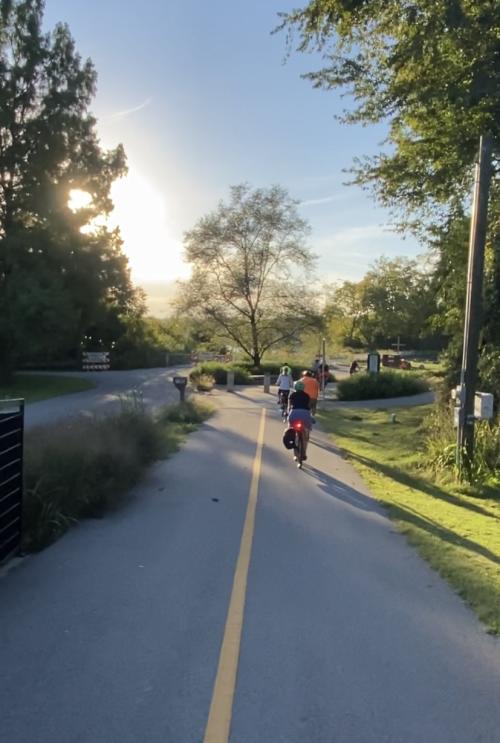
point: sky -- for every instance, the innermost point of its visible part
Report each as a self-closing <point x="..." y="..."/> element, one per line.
<point x="201" y="96"/>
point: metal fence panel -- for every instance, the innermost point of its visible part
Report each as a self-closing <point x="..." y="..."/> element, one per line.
<point x="11" y="476"/>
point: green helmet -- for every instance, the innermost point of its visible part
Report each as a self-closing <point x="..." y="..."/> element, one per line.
<point x="298" y="386"/>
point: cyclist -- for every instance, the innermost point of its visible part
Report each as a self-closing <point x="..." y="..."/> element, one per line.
<point x="311" y="387"/>
<point x="299" y="410"/>
<point x="284" y="384"/>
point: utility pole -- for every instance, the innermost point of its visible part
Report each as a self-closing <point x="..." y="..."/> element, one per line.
<point x="473" y="307"/>
<point x="323" y="362"/>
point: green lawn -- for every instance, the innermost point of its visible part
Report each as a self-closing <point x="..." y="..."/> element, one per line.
<point x="458" y="534"/>
<point x="42" y="386"/>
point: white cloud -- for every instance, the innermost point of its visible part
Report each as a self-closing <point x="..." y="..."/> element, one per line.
<point x="324" y="200"/>
<point x="128" y="111"/>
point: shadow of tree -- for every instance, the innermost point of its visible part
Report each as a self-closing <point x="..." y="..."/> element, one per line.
<point x="406" y="515"/>
<point x="418" y="483"/>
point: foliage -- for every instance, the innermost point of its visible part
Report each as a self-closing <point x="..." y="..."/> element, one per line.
<point x="61" y="289"/>
<point x="274" y="368"/>
<point x="430" y="69"/>
<point x="202" y="382"/>
<point x="379" y="386"/>
<point x="440" y="447"/>
<point x="246" y="258"/>
<point x="243" y="371"/>
<point x="218" y="372"/>
<point x="394" y="298"/>
<point x="190" y="411"/>
<point x="84" y="467"/>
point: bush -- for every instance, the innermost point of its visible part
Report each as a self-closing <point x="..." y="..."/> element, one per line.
<point x="186" y="412"/>
<point x="203" y="382"/>
<point x="218" y="371"/>
<point x="440" y="444"/>
<point x="382" y="385"/>
<point x="243" y="371"/>
<point x="86" y="466"/>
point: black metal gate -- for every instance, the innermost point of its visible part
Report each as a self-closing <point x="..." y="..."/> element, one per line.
<point x="11" y="476"/>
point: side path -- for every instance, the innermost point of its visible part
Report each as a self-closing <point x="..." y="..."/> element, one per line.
<point x="154" y="385"/>
<point x="114" y="633"/>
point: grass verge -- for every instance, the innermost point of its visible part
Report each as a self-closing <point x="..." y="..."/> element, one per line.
<point x="85" y="467"/>
<point x="35" y="387"/>
<point x="457" y="533"/>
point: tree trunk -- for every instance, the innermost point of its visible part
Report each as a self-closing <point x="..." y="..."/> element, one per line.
<point x="256" y="354"/>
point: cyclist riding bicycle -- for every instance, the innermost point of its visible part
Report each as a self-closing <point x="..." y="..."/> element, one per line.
<point x="299" y="409"/>
<point x="284" y="384"/>
<point x="311" y="387"/>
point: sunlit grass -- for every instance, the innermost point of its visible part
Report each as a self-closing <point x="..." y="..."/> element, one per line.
<point x="459" y="534"/>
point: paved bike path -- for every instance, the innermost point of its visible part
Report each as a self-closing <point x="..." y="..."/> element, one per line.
<point x="114" y="633"/>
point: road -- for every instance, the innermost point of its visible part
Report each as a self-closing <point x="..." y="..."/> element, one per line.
<point x="154" y="386"/>
<point x="127" y="629"/>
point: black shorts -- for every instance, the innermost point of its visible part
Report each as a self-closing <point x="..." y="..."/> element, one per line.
<point x="284" y="395"/>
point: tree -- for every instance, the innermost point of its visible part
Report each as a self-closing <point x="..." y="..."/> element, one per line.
<point x="345" y="310"/>
<point x="429" y="69"/>
<point x="248" y="261"/>
<point x="49" y="269"/>
<point x="395" y="298"/>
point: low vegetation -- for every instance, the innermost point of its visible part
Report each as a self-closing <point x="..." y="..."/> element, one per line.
<point x="85" y="467"/>
<point x="380" y="386"/>
<point x="454" y="527"/>
<point x="35" y="387"/>
<point x="244" y="372"/>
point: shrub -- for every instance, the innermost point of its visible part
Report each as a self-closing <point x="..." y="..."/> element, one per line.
<point x="200" y="380"/>
<point x="382" y="385"/>
<point x="86" y="466"/>
<point x="440" y="444"/>
<point x="243" y="371"/>
<point x="186" y="412"/>
<point x="218" y="371"/>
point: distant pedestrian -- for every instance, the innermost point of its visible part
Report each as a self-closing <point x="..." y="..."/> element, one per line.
<point x="354" y="367"/>
<point x="323" y="375"/>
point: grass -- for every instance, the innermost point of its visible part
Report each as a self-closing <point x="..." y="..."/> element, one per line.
<point x="35" y="387"/>
<point x="87" y="466"/>
<point x="456" y="532"/>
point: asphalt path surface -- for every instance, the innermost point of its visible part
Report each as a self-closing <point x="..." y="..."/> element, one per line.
<point x="153" y="385"/>
<point x="113" y="635"/>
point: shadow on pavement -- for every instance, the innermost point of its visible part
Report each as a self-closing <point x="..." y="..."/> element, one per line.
<point x="340" y="490"/>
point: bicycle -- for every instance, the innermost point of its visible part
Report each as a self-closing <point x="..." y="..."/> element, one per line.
<point x="299" y="448"/>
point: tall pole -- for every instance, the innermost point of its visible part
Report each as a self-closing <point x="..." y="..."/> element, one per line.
<point x="473" y="306"/>
<point x="323" y="361"/>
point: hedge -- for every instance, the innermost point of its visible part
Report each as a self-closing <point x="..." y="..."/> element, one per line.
<point x="379" y="386"/>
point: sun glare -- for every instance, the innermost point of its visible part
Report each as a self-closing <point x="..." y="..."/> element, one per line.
<point x="140" y="212"/>
<point x="78" y="199"/>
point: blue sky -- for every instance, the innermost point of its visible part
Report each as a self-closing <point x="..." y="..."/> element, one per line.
<point x="201" y="98"/>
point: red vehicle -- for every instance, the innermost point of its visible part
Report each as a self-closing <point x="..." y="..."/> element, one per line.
<point x="395" y="361"/>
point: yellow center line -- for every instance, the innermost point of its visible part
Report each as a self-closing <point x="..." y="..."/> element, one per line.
<point x="221" y="707"/>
